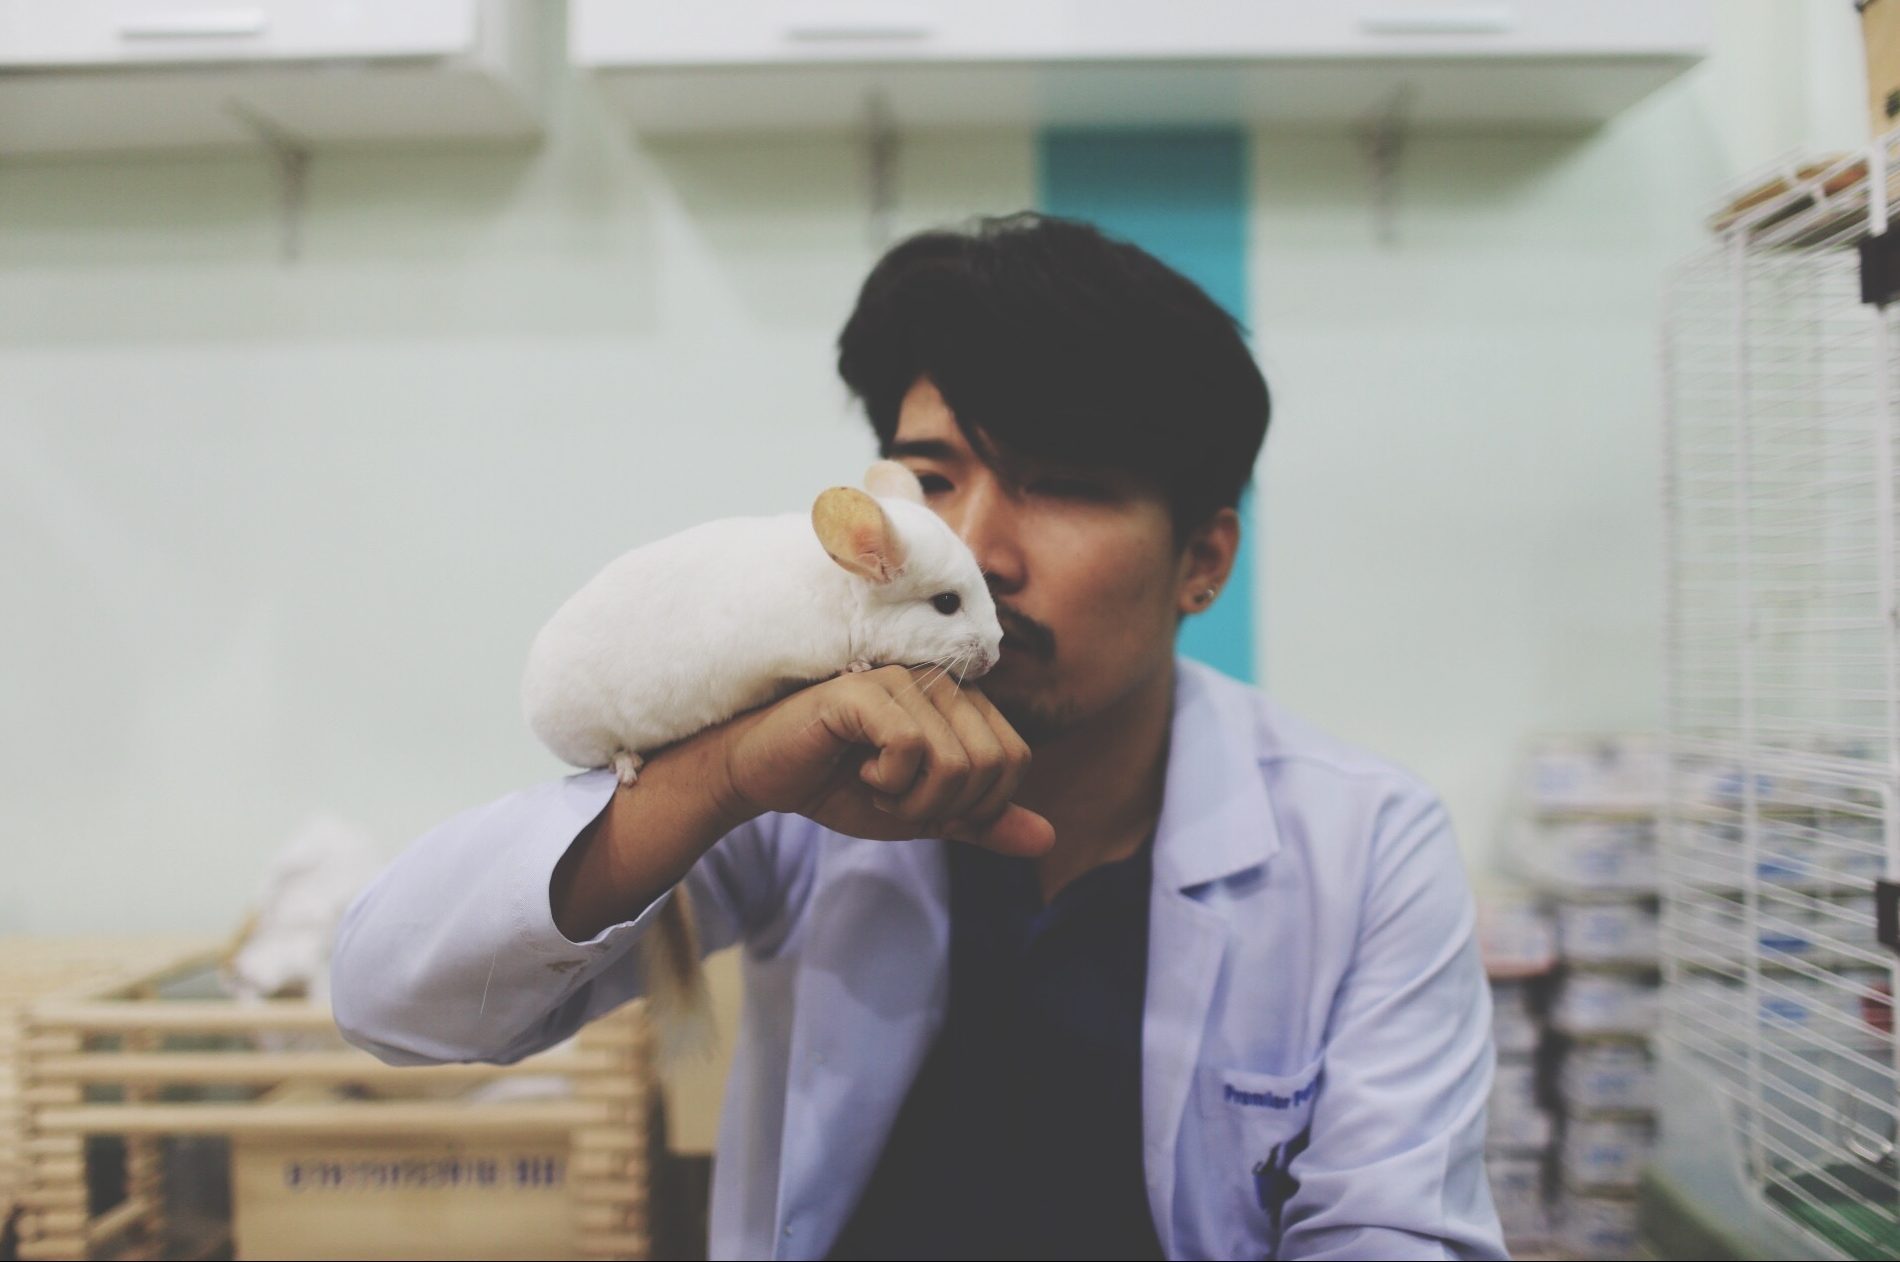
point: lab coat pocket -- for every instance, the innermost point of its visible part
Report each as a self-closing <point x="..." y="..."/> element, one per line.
<point x="1256" y="1124"/>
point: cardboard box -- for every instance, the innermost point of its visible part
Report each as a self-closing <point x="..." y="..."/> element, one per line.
<point x="1880" y="35"/>
<point x="396" y="1197"/>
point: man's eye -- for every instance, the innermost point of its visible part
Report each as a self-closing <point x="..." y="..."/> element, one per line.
<point x="933" y="482"/>
<point x="946" y="602"/>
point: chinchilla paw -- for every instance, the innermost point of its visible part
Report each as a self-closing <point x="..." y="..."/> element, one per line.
<point x="627" y="766"/>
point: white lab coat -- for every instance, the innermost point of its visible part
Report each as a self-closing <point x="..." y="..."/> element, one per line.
<point x="1312" y="963"/>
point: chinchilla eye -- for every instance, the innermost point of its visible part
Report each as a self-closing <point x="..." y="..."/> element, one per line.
<point x="946" y="602"/>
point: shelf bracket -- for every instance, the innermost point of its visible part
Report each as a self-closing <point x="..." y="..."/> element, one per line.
<point x="1382" y="135"/>
<point x="880" y="167"/>
<point x="290" y="156"/>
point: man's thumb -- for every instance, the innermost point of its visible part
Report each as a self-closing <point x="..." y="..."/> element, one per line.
<point x="1018" y="832"/>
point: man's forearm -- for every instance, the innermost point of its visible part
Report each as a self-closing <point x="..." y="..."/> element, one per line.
<point x="650" y="834"/>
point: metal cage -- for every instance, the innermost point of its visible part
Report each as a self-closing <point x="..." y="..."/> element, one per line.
<point x="1782" y="704"/>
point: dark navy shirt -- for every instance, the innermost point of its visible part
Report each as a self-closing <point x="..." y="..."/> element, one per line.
<point x="1021" y="1136"/>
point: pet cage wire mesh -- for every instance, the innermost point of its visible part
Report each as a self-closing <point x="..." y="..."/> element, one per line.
<point x="1783" y="697"/>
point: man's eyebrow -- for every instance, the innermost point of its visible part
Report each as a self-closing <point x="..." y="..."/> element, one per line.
<point x="937" y="449"/>
<point x="925" y="449"/>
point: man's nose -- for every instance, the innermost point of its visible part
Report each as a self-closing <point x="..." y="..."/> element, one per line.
<point x="985" y="519"/>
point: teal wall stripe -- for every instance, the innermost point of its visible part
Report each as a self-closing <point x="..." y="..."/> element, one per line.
<point x="1180" y="194"/>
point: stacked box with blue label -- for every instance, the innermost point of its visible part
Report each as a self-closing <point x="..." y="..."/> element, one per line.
<point x="1519" y="953"/>
<point x="1586" y="840"/>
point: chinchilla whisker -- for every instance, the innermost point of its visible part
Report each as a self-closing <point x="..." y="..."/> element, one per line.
<point x="916" y="683"/>
<point x="948" y="670"/>
<point x="937" y="671"/>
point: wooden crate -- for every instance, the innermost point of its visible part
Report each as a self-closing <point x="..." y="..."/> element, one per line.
<point x="39" y="968"/>
<point x="312" y="1121"/>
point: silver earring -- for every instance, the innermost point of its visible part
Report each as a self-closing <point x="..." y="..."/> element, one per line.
<point x="1207" y="595"/>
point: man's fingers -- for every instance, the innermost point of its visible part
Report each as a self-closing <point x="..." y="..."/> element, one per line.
<point x="987" y="758"/>
<point x="871" y="716"/>
<point x="1005" y="747"/>
<point x="1012" y="767"/>
<point x="1006" y="735"/>
<point x="945" y="765"/>
<point x="945" y="757"/>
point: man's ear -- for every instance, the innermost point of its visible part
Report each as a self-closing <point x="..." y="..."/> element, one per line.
<point x="1207" y="560"/>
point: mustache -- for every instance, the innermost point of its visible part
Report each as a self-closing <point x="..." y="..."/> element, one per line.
<point x="1026" y="633"/>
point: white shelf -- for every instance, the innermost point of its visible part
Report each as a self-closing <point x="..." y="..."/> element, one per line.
<point x="135" y="32"/>
<point x="751" y="65"/>
<point x="92" y="76"/>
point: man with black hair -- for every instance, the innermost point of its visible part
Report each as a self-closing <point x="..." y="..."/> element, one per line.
<point x="1116" y="958"/>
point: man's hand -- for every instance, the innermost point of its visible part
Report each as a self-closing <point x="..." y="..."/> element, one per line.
<point x="893" y="753"/>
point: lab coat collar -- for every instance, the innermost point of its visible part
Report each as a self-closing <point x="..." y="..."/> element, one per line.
<point x="1215" y="818"/>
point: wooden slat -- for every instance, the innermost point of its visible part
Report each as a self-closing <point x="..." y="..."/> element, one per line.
<point x="614" y="1244"/>
<point x="53" y="1168"/>
<point x="345" y="1117"/>
<point x="128" y="1213"/>
<point x="19" y="951"/>
<point x="63" y="1222"/>
<point x="68" y="1145"/>
<point x="205" y="1243"/>
<point x="40" y="1044"/>
<point x="57" y="1196"/>
<point x="271" y="1067"/>
<point x="593" y="1218"/>
<point x="624" y="1039"/>
<point x="610" y="1087"/>
<point x="196" y="1016"/>
<point x="616" y="1139"/>
<point x="599" y="1164"/>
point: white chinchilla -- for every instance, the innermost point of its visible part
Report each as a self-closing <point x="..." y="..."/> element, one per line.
<point x="691" y="630"/>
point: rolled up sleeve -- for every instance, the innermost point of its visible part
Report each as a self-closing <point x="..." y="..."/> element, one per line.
<point x="452" y="953"/>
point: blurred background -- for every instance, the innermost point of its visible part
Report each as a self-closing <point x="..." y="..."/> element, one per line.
<point x="340" y="342"/>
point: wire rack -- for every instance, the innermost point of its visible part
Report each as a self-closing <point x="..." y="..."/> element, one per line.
<point x="1783" y="695"/>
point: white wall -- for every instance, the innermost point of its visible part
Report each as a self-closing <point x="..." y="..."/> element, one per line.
<point x="276" y="536"/>
<point x="1461" y="488"/>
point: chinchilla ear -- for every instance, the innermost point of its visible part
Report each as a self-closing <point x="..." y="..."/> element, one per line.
<point x="887" y="479"/>
<point x="859" y="536"/>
